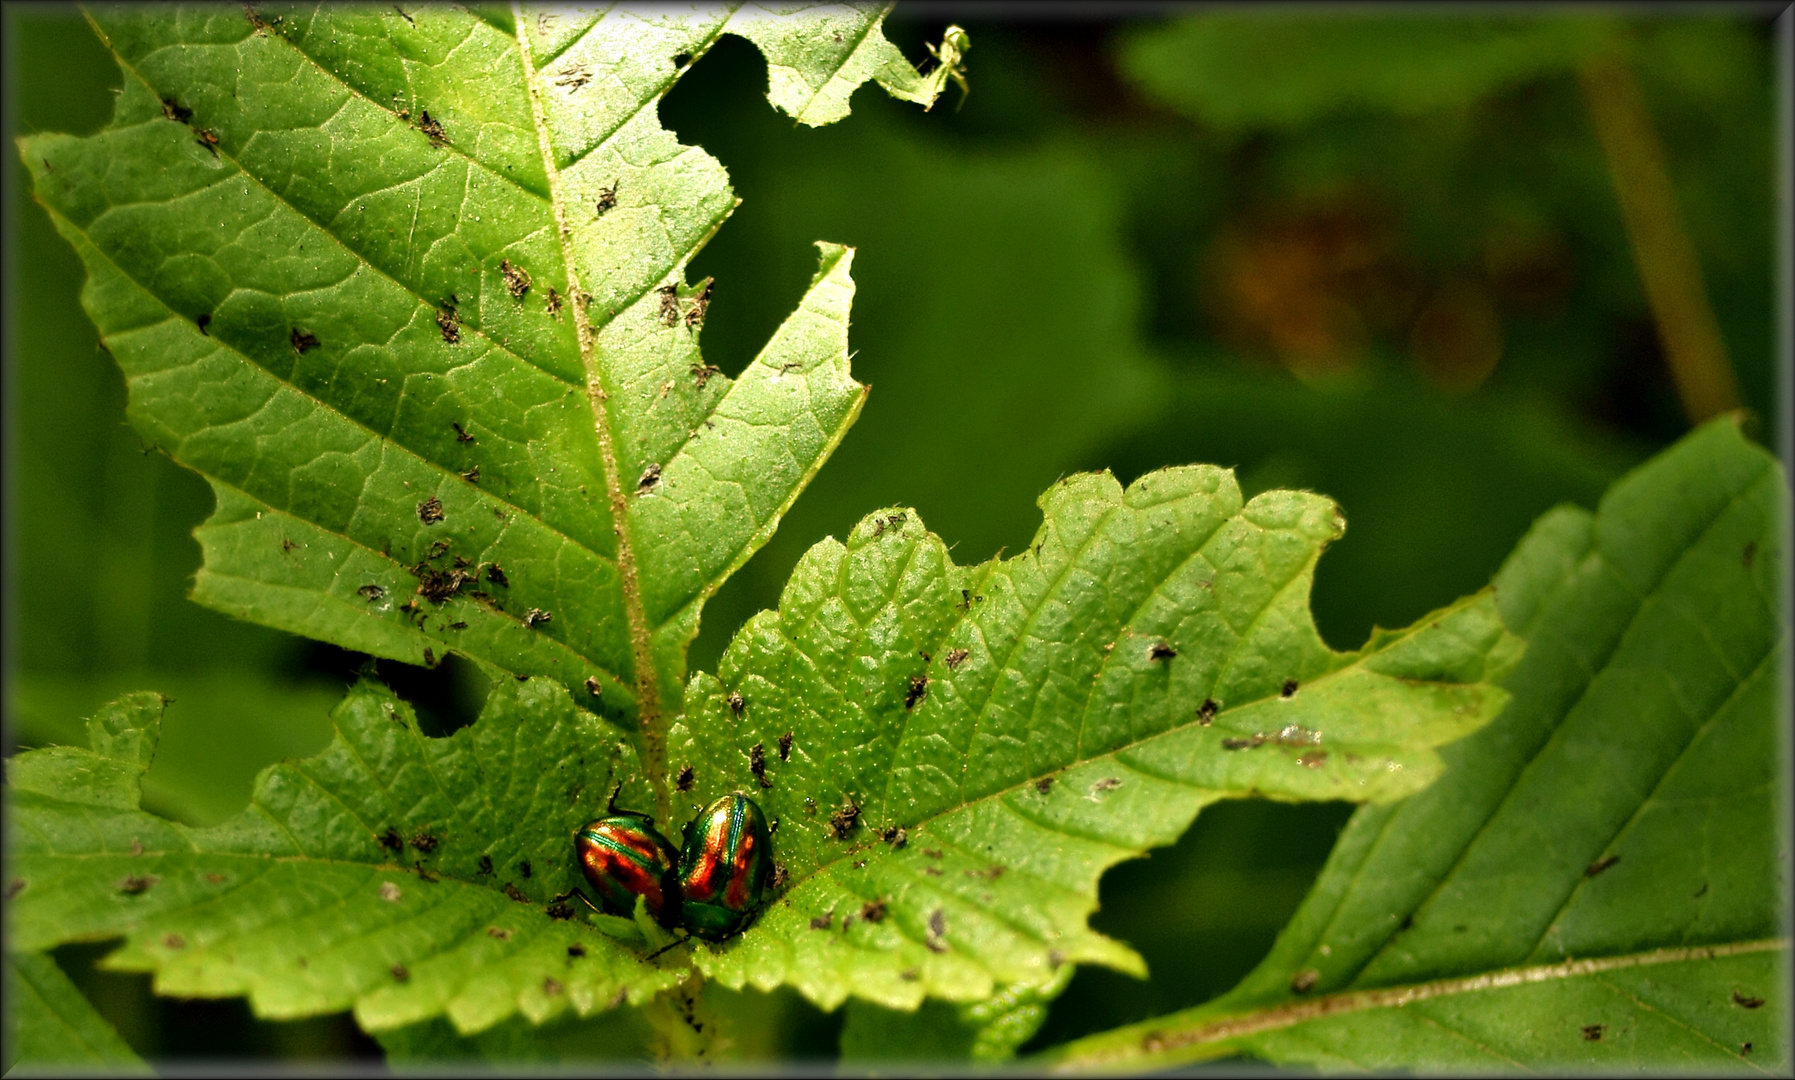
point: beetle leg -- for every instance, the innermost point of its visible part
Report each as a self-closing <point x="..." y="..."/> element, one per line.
<point x="575" y="891"/>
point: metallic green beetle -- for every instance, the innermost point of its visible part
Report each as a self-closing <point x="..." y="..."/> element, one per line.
<point x="625" y="856"/>
<point x="725" y="867"/>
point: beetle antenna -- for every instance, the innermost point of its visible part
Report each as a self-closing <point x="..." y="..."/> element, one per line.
<point x="664" y="948"/>
<point x="611" y="803"/>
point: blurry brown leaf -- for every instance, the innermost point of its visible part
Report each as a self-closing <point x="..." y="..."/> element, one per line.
<point x="1457" y="339"/>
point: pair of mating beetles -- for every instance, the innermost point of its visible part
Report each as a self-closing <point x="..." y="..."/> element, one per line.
<point x="711" y="889"/>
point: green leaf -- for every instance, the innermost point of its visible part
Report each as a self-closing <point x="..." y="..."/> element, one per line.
<point x="1285" y="68"/>
<point x="207" y="757"/>
<point x="948" y="1035"/>
<point x="1598" y="884"/>
<point x="407" y="288"/>
<point x="1029" y="723"/>
<point x="403" y="876"/>
<point x="51" y="1025"/>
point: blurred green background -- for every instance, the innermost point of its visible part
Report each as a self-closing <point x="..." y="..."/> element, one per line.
<point x="1380" y="258"/>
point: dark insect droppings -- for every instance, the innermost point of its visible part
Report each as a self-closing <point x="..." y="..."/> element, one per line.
<point x="202" y="322"/>
<point x="874" y="911"/>
<point x="700" y="303"/>
<point x="651" y="475"/>
<point x="1592" y="1033"/>
<point x="669" y="304"/>
<point x="430" y="511"/>
<point x="736" y="704"/>
<point x="593" y="687"/>
<point x="955" y="657"/>
<point x="173" y="110"/>
<point x="1745" y="1002"/>
<point x="1600" y="865"/>
<point x="424" y="842"/>
<point x="842" y="822"/>
<point x="1159" y="650"/>
<point x="757" y="764"/>
<point x="400" y="973"/>
<point x="785" y="747"/>
<point x="496" y="575"/>
<point x="684" y="783"/>
<point x="1305" y="980"/>
<point x="919" y="689"/>
<point x="485" y="864"/>
<point x="1289" y="689"/>
<point x="536" y="617"/>
<point x="432" y="129"/>
<point x="391" y="841"/>
<point x="301" y="341"/>
<point x="607" y="198"/>
<point x="937" y="930"/>
<point x="576" y="952"/>
<point x="517" y="280"/>
<point x="137" y="884"/>
<point x="1206" y="714"/>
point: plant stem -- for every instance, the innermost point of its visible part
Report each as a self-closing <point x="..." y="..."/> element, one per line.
<point x="1668" y="266"/>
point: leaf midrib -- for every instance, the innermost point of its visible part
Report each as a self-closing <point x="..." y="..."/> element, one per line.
<point x="649" y="721"/>
<point x="1217" y="1032"/>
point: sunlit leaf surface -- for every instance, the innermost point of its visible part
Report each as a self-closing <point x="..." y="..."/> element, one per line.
<point x="1596" y="881"/>
<point x="955" y="754"/>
